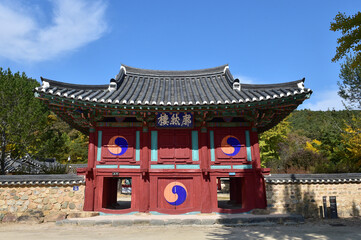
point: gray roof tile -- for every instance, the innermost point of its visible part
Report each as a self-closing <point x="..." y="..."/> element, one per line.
<point x="313" y="178"/>
<point x="55" y="179"/>
<point x="136" y="86"/>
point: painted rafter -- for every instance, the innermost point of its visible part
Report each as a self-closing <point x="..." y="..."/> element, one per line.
<point x="84" y="115"/>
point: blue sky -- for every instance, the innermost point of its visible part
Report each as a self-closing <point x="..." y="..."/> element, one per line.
<point x="85" y="42"/>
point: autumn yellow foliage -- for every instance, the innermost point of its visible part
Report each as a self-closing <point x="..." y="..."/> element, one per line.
<point x="352" y="140"/>
<point x="313" y="146"/>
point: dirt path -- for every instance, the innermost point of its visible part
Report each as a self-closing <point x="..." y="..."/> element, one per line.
<point x="310" y="230"/>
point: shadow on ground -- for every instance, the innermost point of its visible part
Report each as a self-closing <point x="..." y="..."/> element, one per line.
<point x="301" y="201"/>
<point x="343" y="229"/>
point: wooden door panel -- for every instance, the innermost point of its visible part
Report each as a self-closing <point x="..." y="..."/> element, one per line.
<point x="175" y="193"/>
<point x="230" y="145"/>
<point x="130" y="144"/>
<point x="118" y="145"/>
<point x="182" y="146"/>
<point x="174" y="144"/>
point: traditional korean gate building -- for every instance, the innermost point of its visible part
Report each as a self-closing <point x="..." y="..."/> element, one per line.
<point x="174" y="134"/>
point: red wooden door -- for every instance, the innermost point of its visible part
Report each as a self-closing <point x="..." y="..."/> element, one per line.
<point x="118" y="145"/>
<point x="175" y="194"/>
<point x="174" y="145"/>
<point x="230" y="145"/>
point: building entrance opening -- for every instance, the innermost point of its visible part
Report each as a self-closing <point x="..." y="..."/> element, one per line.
<point x="229" y="192"/>
<point x="172" y="134"/>
<point x="117" y="194"/>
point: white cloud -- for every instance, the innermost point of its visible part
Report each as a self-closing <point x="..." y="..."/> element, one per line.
<point x="323" y="101"/>
<point x="73" y="25"/>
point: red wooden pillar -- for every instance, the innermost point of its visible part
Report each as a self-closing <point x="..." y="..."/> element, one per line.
<point x="254" y="192"/>
<point x="144" y="196"/>
<point x="260" y="193"/>
<point x="98" y="193"/>
<point x="90" y="175"/>
<point x="255" y="150"/>
<point x="262" y="199"/>
<point x="206" y="198"/>
<point x="248" y="192"/>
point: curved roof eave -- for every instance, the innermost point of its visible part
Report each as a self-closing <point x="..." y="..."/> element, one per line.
<point x="54" y="83"/>
<point x="142" y="87"/>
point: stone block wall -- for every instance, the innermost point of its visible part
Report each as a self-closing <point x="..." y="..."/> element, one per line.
<point x="41" y="198"/>
<point x="303" y="193"/>
<point x="54" y="197"/>
<point x="31" y="197"/>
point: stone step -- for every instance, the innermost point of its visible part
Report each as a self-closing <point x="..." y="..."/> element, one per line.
<point x="82" y="214"/>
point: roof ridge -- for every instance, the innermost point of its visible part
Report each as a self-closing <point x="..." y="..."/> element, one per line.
<point x="272" y="85"/>
<point x="54" y="83"/>
<point x="140" y="71"/>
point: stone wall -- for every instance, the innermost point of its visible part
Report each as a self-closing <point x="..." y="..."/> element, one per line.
<point x="303" y="193"/>
<point x="54" y="197"/>
<point x="40" y="198"/>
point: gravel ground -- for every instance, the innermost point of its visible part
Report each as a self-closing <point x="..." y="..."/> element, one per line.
<point x="316" y="229"/>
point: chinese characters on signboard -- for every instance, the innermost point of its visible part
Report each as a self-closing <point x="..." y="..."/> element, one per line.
<point x="176" y="120"/>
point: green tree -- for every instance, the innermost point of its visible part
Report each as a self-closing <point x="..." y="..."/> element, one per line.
<point x="22" y="116"/>
<point x="346" y="155"/>
<point x="337" y="134"/>
<point x="270" y="144"/>
<point x="352" y="140"/>
<point x="77" y="146"/>
<point x="349" y="42"/>
<point x="52" y="141"/>
<point x="350" y="86"/>
<point x="300" y="154"/>
<point x="58" y="140"/>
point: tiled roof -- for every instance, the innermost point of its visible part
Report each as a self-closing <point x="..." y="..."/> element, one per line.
<point x="213" y="86"/>
<point x="51" y="179"/>
<point x="70" y="179"/>
<point x="314" y="178"/>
